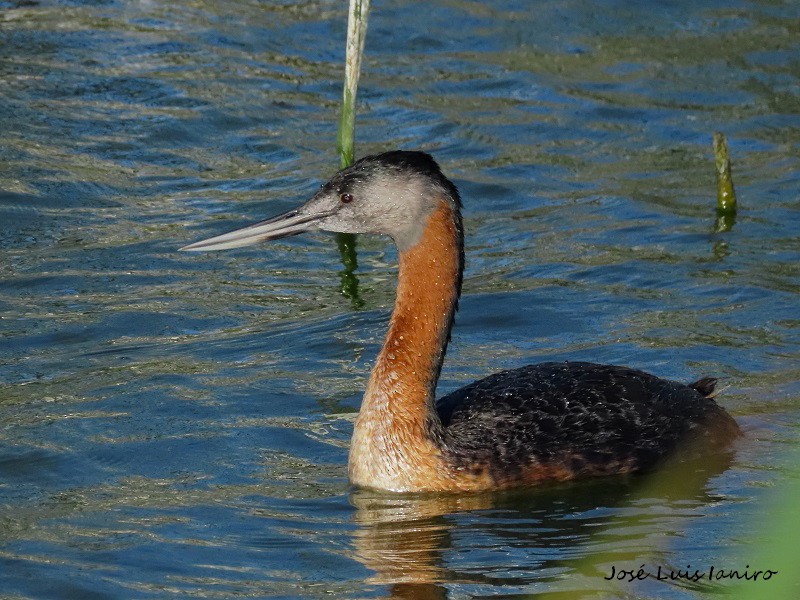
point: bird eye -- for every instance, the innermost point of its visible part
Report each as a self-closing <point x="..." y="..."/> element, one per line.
<point x="346" y="198"/>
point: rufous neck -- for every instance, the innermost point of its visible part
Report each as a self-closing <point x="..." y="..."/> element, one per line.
<point x="398" y="430"/>
<point x="428" y="287"/>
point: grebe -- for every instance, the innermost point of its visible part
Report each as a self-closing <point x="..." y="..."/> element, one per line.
<point x="551" y="421"/>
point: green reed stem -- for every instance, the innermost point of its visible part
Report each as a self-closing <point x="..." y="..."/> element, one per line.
<point x="356" y="34"/>
<point x="726" y="197"/>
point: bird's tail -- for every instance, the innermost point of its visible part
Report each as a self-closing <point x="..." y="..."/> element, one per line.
<point x="705" y="386"/>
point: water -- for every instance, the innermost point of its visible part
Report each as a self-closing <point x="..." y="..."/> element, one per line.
<point x="176" y="425"/>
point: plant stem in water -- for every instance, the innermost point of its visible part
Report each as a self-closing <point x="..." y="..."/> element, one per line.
<point x="726" y="197"/>
<point x="356" y="34"/>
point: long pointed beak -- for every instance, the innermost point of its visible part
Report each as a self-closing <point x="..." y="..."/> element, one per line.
<point x="289" y="223"/>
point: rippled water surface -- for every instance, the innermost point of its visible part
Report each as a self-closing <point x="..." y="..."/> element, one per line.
<point x="176" y="425"/>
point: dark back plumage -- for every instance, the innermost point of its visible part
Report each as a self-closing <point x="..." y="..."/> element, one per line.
<point x="586" y="414"/>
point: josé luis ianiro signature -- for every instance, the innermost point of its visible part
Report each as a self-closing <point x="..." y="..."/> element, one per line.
<point x="711" y="573"/>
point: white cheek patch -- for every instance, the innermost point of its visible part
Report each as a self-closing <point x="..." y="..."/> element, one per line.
<point x="399" y="207"/>
<point x="391" y="203"/>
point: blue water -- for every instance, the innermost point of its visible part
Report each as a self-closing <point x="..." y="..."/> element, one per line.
<point x="176" y="425"/>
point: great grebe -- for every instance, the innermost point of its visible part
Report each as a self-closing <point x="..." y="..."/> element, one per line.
<point x="551" y="421"/>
